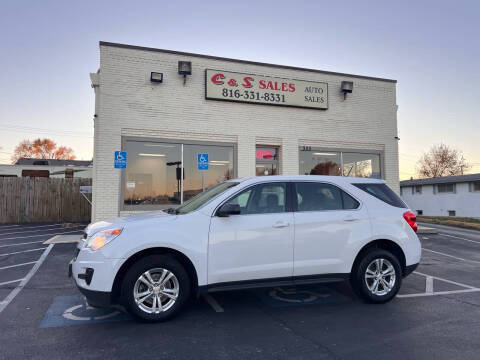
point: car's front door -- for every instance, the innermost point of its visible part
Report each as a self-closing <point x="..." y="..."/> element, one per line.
<point x="328" y="224"/>
<point x="257" y="243"/>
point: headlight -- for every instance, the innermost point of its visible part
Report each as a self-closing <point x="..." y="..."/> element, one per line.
<point x="102" y="238"/>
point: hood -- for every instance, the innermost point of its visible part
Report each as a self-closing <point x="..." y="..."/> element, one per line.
<point x="124" y="220"/>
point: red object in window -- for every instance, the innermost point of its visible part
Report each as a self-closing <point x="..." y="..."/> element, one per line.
<point x="265" y="154"/>
<point x="411" y="219"/>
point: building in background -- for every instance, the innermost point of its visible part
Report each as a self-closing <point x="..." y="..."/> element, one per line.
<point x="53" y="168"/>
<point x="443" y="196"/>
<point x="165" y="113"/>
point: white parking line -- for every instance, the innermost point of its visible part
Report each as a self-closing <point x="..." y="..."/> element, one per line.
<point x="455" y="257"/>
<point x="213" y="303"/>
<point x="445" y="280"/>
<point x="456" y="237"/>
<point x="25" y="280"/>
<point x="24" y="251"/>
<point x="29" y="236"/>
<point x="429" y="285"/>
<point x="16" y="265"/>
<point x="25" y="243"/>
<point x="22" y="232"/>
<point x="10" y="282"/>
<point x="439" y="293"/>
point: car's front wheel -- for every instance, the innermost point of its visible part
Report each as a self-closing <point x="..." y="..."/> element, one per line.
<point x="155" y="288"/>
<point x="377" y="277"/>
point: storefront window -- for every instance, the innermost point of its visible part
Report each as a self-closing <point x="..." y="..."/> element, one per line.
<point x="361" y="165"/>
<point x="266" y="161"/>
<point x="220" y="168"/>
<point x="153" y="174"/>
<point x="319" y="162"/>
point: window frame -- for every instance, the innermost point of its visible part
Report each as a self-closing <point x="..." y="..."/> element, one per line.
<point x="342" y="151"/>
<point x="446" y="192"/>
<point x="295" y="199"/>
<point x="123" y="175"/>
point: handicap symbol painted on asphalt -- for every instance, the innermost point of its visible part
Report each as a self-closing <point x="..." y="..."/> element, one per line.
<point x="74" y="310"/>
<point x="300" y="295"/>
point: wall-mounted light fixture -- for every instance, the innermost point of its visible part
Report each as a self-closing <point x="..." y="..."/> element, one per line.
<point x="184" y="68"/>
<point x="347" y="87"/>
<point x="156" y="77"/>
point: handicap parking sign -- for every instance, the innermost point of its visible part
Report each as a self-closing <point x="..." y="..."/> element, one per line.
<point x="202" y="160"/>
<point x="120" y="161"/>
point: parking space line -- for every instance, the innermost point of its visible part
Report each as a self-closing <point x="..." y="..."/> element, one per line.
<point x="29" y="236"/>
<point x="439" y="293"/>
<point x="460" y="238"/>
<point x="16" y="265"/>
<point x="455" y="257"/>
<point x="10" y="282"/>
<point x="212" y="302"/>
<point x="24" y="251"/>
<point x="22" y="232"/>
<point x="25" y="243"/>
<point x="429" y="285"/>
<point x="445" y="280"/>
<point x="28" y="226"/>
<point x="25" y="280"/>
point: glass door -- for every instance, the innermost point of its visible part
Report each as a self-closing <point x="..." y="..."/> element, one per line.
<point x="266" y="161"/>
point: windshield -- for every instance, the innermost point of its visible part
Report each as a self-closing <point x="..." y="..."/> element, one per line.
<point x="202" y="198"/>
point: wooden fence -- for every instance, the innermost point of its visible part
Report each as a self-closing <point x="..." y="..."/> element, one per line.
<point x="25" y="199"/>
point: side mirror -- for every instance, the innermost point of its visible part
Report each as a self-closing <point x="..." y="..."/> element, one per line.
<point x="228" y="209"/>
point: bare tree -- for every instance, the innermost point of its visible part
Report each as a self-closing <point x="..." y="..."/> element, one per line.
<point x="441" y="160"/>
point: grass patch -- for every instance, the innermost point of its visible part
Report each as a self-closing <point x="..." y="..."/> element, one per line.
<point x="464" y="222"/>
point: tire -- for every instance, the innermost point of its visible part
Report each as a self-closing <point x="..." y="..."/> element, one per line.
<point x="142" y="288"/>
<point x="366" y="285"/>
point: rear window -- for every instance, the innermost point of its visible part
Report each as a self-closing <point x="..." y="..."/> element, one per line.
<point x="382" y="192"/>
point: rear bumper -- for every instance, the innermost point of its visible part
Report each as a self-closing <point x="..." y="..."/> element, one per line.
<point x="409" y="269"/>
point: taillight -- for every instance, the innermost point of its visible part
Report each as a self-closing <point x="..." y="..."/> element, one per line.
<point x="411" y="219"/>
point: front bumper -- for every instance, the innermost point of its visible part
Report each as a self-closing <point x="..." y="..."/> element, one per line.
<point x="94" y="275"/>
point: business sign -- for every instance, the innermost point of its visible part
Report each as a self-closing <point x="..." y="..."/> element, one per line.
<point x="256" y="89"/>
<point x="120" y="160"/>
<point x="202" y="161"/>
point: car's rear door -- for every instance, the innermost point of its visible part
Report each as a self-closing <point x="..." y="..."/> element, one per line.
<point x="329" y="222"/>
<point x="258" y="243"/>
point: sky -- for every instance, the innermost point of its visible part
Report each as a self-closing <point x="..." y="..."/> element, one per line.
<point x="48" y="49"/>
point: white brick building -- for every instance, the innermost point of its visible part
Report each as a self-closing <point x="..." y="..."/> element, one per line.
<point x="443" y="196"/>
<point x="157" y="122"/>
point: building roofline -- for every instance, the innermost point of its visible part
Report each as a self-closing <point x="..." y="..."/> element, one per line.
<point x="211" y="57"/>
<point x="441" y="180"/>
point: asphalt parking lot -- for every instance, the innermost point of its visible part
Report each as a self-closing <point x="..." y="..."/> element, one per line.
<point x="436" y="315"/>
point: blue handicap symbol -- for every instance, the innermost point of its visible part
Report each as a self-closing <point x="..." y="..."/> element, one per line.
<point x="202" y="161"/>
<point x="74" y="310"/>
<point x="120" y="160"/>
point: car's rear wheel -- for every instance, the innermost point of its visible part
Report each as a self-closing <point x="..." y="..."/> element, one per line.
<point x="155" y="288"/>
<point x="377" y="277"/>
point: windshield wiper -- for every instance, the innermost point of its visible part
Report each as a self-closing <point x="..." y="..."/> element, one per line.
<point x="172" y="211"/>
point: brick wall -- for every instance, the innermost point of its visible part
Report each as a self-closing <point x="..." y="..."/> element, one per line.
<point x="128" y="104"/>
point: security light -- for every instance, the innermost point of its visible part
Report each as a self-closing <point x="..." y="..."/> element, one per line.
<point x="184" y="68"/>
<point x="347" y="87"/>
<point x="156" y="77"/>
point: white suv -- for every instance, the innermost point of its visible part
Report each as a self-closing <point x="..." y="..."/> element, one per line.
<point x="255" y="232"/>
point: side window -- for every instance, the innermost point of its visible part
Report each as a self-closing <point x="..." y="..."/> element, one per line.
<point x="261" y="199"/>
<point x="349" y="202"/>
<point x="313" y="196"/>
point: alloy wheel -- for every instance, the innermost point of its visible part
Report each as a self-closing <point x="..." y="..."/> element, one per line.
<point x="380" y="277"/>
<point x="156" y="290"/>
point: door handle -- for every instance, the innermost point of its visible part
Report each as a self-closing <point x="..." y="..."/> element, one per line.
<point x="281" y="224"/>
<point x="349" y="218"/>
